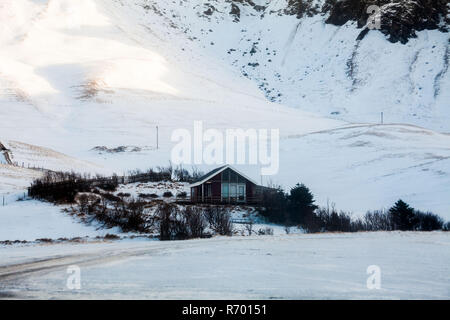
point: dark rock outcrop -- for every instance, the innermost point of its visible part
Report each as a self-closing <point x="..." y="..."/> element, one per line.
<point x="400" y="19"/>
<point x="235" y="12"/>
<point x="301" y="8"/>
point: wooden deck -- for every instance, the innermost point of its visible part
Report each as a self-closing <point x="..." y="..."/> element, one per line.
<point x="218" y="200"/>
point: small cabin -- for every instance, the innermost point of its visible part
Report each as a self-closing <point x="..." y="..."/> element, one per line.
<point x="225" y="185"/>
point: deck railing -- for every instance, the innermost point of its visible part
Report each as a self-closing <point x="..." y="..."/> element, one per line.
<point x="220" y="200"/>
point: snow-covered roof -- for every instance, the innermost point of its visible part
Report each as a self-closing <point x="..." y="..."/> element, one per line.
<point x="216" y="171"/>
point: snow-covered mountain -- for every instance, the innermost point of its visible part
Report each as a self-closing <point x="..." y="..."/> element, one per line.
<point x="320" y="56"/>
<point x="75" y="75"/>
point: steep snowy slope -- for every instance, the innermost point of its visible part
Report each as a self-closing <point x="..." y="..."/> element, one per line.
<point x="95" y="73"/>
<point x="298" y="59"/>
<point x="75" y="75"/>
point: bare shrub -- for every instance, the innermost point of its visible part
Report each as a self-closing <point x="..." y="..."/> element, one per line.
<point x="182" y="194"/>
<point x="134" y="219"/>
<point x="110" y="236"/>
<point x="377" y="220"/>
<point x="249" y="226"/>
<point x="124" y="195"/>
<point x="148" y="196"/>
<point x="83" y="202"/>
<point x="130" y="216"/>
<point x="195" y="220"/>
<point x="167" y="194"/>
<point x="428" y="221"/>
<point x="265" y="232"/>
<point x="110" y="186"/>
<point x="446" y="226"/>
<point x="219" y="219"/>
<point x="87" y="202"/>
<point x="151" y="175"/>
<point x="183" y="175"/>
<point x="167" y="214"/>
<point x="111" y="197"/>
<point x="62" y="187"/>
<point x="287" y="229"/>
<point x="177" y="223"/>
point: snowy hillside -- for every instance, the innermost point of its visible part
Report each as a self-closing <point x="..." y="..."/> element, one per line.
<point x="97" y="74"/>
<point x="322" y="67"/>
<point x="79" y="75"/>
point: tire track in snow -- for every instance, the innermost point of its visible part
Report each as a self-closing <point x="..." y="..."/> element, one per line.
<point x="17" y="271"/>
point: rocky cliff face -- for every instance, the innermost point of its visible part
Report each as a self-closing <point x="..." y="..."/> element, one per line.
<point x="400" y="19"/>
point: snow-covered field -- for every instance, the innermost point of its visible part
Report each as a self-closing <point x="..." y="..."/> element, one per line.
<point x="315" y="266"/>
<point x="32" y="220"/>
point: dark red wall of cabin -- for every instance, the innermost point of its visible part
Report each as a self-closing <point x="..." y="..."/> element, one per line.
<point x="216" y="188"/>
<point x="249" y="189"/>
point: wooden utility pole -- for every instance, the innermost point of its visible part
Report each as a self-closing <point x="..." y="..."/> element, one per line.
<point x="157" y="137"/>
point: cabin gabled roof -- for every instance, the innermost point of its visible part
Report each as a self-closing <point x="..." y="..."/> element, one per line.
<point x="216" y="171"/>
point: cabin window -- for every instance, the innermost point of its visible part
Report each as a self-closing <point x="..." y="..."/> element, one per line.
<point x="233" y="191"/>
<point x="241" y="193"/>
<point x="233" y="186"/>
<point x="225" y="193"/>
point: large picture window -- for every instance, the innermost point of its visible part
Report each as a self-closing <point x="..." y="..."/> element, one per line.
<point x="225" y="191"/>
<point x="241" y="194"/>
<point x="233" y="186"/>
<point x="233" y="191"/>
